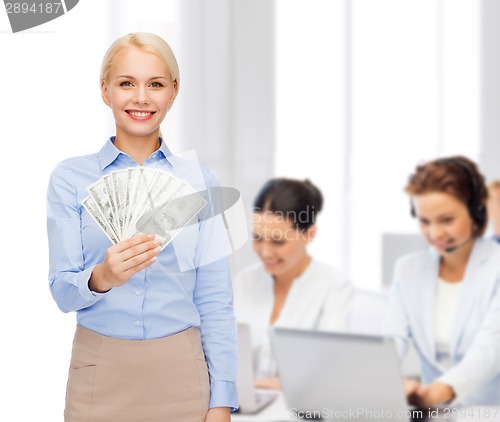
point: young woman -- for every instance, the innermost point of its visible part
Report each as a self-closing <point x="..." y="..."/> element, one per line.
<point x="446" y="300"/>
<point x="153" y="343"/>
<point x="288" y="288"/>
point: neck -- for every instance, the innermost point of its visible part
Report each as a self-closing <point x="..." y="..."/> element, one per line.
<point x="139" y="148"/>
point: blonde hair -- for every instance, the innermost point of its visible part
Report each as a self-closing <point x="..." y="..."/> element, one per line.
<point x="144" y="41"/>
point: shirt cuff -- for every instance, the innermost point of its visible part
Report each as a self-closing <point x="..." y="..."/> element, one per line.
<point x="223" y="394"/>
<point x="459" y="387"/>
<point x="83" y="286"/>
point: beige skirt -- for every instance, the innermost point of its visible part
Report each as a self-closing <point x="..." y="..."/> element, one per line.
<point x="119" y="380"/>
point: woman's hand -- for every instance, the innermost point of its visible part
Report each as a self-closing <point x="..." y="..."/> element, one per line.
<point x="123" y="260"/>
<point x="218" y="414"/>
<point x="433" y="394"/>
<point x="268" y="383"/>
<point x="425" y="396"/>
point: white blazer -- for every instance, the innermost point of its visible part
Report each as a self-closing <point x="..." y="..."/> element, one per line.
<point x="475" y="342"/>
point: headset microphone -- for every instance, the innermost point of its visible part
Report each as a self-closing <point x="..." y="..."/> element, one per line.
<point x="456" y="247"/>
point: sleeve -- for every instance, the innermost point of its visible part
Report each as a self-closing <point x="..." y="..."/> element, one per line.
<point x="68" y="279"/>
<point x="214" y="301"/>
<point x="337" y="307"/>
<point x="481" y="362"/>
<point x="396" y="322"/>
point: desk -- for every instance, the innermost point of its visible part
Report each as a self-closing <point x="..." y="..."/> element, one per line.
<point x="274" y="412"/>
<point x="277" y="412"/>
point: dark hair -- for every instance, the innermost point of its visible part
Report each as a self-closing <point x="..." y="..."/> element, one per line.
<point x="457" y="176"/>
<point x="296" y="200"/>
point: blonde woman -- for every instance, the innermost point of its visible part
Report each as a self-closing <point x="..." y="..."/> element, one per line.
<point x="153" y="343"/>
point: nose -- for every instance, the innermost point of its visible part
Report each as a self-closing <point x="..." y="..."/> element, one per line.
<point x="262" y="248"/>
<point x="436" y="231"/>
<point x="266" y="250"/>
<point x="141" y="96"/>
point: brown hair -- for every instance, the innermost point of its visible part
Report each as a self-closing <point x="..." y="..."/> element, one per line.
<point x="457" y="176"/>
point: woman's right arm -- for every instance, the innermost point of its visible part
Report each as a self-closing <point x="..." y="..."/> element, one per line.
<point x="68" y="276"/>
<point x="73" y="284"/>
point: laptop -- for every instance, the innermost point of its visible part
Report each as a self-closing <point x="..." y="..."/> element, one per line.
<point x="251" y="400"/>
<point x="340" y="376"/>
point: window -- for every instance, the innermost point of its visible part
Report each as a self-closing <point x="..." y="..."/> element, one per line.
<point x="366" y="90"/>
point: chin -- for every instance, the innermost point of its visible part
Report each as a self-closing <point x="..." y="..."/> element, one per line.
<point x="273" y="270"/>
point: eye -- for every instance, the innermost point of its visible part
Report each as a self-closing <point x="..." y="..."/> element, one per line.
<point x="156" y="84"/>
<point x="447" y="220"/>
<point x="256" y="237"/>
<point x="126" y="83"/>
<point x="423" y="222"/>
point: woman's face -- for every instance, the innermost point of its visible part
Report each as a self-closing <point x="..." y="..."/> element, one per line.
<point x="444" y="220"/>
<point x="139" y="91"/>
<point x="281" y="247"/>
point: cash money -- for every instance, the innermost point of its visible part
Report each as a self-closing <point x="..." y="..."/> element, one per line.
<point x="138" y="199"/>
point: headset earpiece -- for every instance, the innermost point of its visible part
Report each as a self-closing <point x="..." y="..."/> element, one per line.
<point x="477" y="211"/>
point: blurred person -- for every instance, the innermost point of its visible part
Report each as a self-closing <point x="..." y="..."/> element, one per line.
<point x="446" y="300"/>
<point x="152" y="343"/>
<point x="494" y="209"/>
<point x="288" y="288"/>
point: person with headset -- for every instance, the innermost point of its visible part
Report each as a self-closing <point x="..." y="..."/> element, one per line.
<point x="446" y="299"/>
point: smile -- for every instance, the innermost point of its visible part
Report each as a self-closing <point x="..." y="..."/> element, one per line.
<point x="442" y="245"/>
<point x="271" y="261"/>
<point x="140" y="115"/>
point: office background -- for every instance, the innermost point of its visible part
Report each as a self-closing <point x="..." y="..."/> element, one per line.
<point x="351" y="94"/>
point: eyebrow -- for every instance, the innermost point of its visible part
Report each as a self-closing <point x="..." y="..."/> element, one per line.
<point x="443" y="215"/>
<point x="131" y="77"/>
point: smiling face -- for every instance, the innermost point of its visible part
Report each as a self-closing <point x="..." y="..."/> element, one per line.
<point x="279" y="245"/>
<point x="140" y="92"/>
<point x="444" y="220"/>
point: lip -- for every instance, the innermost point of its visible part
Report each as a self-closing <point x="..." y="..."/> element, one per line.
<point x="443" y="245"/>
<point x="140" y="115"/>
<point x="271" y="263"/>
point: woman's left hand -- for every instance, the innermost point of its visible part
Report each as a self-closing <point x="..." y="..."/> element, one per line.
<point x="218" y="414"/>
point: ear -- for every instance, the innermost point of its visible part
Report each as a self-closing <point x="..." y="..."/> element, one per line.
<point x="174" y="94"/>
<point x="311" y="233"/>
<point x="104" y="93"/>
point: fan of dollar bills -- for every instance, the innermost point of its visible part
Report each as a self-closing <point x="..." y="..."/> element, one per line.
<point x="142" y="200"/>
